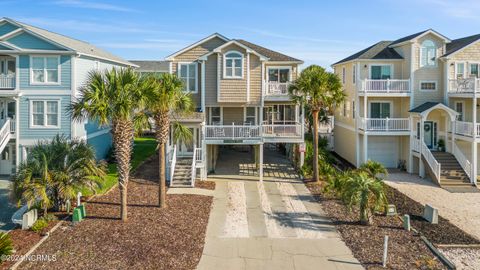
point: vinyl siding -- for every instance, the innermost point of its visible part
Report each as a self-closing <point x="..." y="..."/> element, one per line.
<point x="232" y="90"/>
<point x="232" y="115"/>
<point x="211" y="81"/>
<point x="6" y="28"/>
<point x="65" y="75"/>
<point x="28" y="41"/>
<point x="101" y="144"/>
<point x="28" y="133"/>
<point x="199" y="50"/>
<point x="344" y="143"/>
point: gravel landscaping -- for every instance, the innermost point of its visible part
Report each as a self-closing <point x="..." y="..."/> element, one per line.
<point x="463" y="258"/>
<point x="406" y="250"/>
<point x="152" y="238"/>
<point x="210" y="185"/>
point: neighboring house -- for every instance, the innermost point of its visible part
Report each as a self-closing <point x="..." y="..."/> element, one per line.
<point x="151" y="67"/>
<point x="405" y="98"/>
<point x="40" y="74"/>
<point x="241" y="97"/>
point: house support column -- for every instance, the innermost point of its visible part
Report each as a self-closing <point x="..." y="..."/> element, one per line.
<point x="365" y="147"/>
<point x="421" y="165"/>
<point x="473" y="174"/>
<point x="410" y="155"/>
<point x="260" y="170"/>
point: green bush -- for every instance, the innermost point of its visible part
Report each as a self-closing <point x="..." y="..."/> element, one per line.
<point x="6" y="245"/>
<point x="39" y="225"/>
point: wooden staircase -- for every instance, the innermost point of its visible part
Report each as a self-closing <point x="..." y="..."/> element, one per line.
<point x="452" y="173"/>
<point x="183" y="173"/>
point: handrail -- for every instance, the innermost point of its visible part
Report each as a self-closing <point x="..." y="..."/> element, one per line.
<point x="464" y="85"/>
<point x="194" y="163"/>
<point x="385" y="124"/>
<point x="386" y="86"/>
<point x="5" y="132"/>
<point x="416" y="144"/>
<point x="173" y="162"/>
<point x="7" y="81"/>
<point x="432" y="162"/>
<point x="277" y="88"/>
<point x="294" y="130"/>
<point x="464" y="162"/>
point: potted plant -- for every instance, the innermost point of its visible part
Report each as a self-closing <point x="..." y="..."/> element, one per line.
<point x="441" y="145"/>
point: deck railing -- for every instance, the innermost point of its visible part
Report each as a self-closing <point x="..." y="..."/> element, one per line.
<point x="277" y="88"/>
<point x="385" y="124"/>
<point x="385" y="86"/>
<point x="194" y="166"/>
<point x="416" y="144"/>
<point x="7" y="81"/>
<point x="173" y="162"/>
<point x="5" y="133"/>
<point x="232" y="132"/>
<point x="432" y="162"/>
<point x="464" y="162"/>
<point x="460" y="86"/>
<point x="294" y="130"/>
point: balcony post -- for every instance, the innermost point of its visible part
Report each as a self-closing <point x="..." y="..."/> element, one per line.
<point x="260" y="169"/>
<point x="410" y="156"/>
<point x="473" y="174"/>
<point x="453" y="135"/>
<point x="387" y="128"/>
<point x="474" y="116"/>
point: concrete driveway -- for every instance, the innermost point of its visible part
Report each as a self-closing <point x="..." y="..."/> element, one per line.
<point x="274" y="224"/>
<point x="6" y="207"/>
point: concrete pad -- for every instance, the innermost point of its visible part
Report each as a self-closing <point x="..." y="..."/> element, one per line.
<point x="210" y="262"/>
<point x="280" y="264"/>
<point x="221" y="247"/>
<point x="255" y="248"/>
<point x="192" y="191"/>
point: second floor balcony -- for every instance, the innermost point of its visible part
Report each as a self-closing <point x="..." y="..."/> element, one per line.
<point x="463" y="86"/>
<point x="232" y="133"/>
<point x="388" y="87"/>
<point x="384" y="124"/>
<point x="7" y="82"/>
<point x="276" y="90"/>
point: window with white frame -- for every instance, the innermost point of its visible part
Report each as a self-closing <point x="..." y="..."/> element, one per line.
<point x="250" y="115"/>
<point x="474" y="70"/>
<point x="428" y="86"/>
<point x="45" y="69"/>
<point x="233" y="65"/>
<point x="281" y="75"/>
<point x="215" y="115"/>
<point x="45" y="113"/>
<point x="460" y="70"/>
<point x="459" y="109"/>
<point x="380" y="72"/>
<point x="428" y="54"/>
<point x="354" y="74"/>
<point x="187" y="72"/>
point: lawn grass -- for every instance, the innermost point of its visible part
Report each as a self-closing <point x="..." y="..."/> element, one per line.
<point x="143" y="148"/>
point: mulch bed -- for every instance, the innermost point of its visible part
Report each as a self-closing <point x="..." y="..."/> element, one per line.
<point x="152" y="238"/>
<point x="406" y="250"/>
<point x="210" y="185"/>
<point x="442" y="233"/>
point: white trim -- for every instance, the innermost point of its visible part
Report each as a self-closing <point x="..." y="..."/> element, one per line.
<point x="245" y="114"/>
<point x="280" y="67"/>
<point x="246" y="48"/>
<point x="461" y="49"/>
<point x="455" y="74"/>
<point x="430" y="31"/>
<point x="172" y="56"/>
<point x="8" y="45"/>
<point x="421" y="55"/>
<point x="202" y="100"/>
<point x="366" y="60"/>
<point x="44" y="126"/>
<point x="428" y="90"/>
<point x="392" y="70"/>
<point x="248" y="77"/>
<point x="59" y="70"/>
<point x="188" y="75"/>
<point x="98" y="133"/>
<point x="380" y="101"/>
<point x="219" y="65"/>
<point x="224" y="60"/>
<point x="210" y="114"/>
<point x="12" y="33"/>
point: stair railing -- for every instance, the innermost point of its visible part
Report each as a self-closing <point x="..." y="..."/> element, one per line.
<point x="432" y="162"/>
<point x="194" y="163"/>
<point x="173" y="162"/>
<point x="462" y="159"/>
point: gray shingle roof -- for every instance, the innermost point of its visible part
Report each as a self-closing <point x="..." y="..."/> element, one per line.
<point x="151" y="66"/>
<point x="460" y="43"/>
<point x="425" y="106"/>
<point x="380" y="50"/>
<point x="273" y="55"/>
<point x="409" y="37"/>
<point x="73" y="44"/>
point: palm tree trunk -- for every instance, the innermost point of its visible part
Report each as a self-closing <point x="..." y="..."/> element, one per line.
<point x="123" y="134"/>
<point x="162" y="187"/>
<point x="315" y="145"/>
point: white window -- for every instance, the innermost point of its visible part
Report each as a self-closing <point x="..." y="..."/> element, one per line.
<point x="187" y="72"/>
<point x="345" y="109"/>
<point x="233" y="65"/>
<point x="45" y="70"/>
<point x="380" y="110"/>
<point x="250" y="115"/>
<point x="428" y="54"/>
<point x="353" y="109"/>
<point x="474" y="71"/>
<point x="45" y="113"/>
<point x="460" y="70"/>
<point x="428" y="86"/>
<point x="380" y="72"/>
<point x="459" y="109"/>
<point x="281" y="75"/>
<point x="215" y="115"/>
<point x="343" y="75"/>
<point x="354" y="74"/>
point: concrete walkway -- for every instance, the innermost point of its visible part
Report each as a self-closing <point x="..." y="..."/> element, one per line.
<point x="275" y="224"/>
<point x="6" y="207"/>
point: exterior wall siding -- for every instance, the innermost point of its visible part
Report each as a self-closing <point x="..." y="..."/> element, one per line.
<point x="7" y="28"/>
<point x="65" y="75"/>
<point x="232" y="90"/>
<point x="28" y="41"/>
<point x="232" y="115"/>
<point x="101" y="144"/>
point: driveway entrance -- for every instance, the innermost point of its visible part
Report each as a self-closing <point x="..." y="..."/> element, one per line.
<point x="269" y="224"/>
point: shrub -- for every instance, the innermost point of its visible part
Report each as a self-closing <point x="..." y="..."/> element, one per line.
<point x="335" y="185"/>
<point x="39" y="225"/>
<point x="6" y="245"/>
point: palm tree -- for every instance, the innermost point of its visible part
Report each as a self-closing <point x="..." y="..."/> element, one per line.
<point x="6" y="245"/>
<point x="54" y="171"/>
<point x="165" y="100"/>
<point x="373" y="169"/>
<point x="113" y="98"/>
<point x="318" y="90"/>
<point x="366" y="192"/>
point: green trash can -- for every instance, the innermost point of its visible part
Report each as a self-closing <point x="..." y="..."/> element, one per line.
<point x="77" y="215"/>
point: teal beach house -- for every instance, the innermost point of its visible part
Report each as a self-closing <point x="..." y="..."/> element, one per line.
<point x="40" y="74"/>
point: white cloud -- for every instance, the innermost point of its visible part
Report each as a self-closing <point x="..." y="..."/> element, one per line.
<point x="92" y="5"/>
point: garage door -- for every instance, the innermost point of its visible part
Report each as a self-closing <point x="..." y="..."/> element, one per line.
<point x="383" y="150"/>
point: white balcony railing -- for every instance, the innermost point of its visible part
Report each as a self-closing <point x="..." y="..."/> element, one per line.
<point x="431" y="161"/>
<point x="277" y="89"/>
<point x="467" y="128"/>
<point x="385" y="86"/>
<point x="232" y="132"/>
<point x="464" y="86"/>
<point x="416" y="144"/>
<point x="7" y="81"/>
<point x="464" y="162"/>
<point x="385" y="124"/>
<point x="294" y="130"/>
<point x="5" y="133"/>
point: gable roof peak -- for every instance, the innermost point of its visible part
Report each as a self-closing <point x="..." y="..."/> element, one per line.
<point x="402" y="40"/>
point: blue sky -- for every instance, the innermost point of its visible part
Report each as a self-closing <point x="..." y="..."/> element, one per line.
<point x="318" y="32"/>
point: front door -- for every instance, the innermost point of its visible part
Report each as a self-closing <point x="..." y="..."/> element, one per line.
<point x="6" y="161"/>
<point x="429" y="133"/>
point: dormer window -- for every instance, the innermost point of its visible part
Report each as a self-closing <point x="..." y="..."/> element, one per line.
<point x="428" y="54"/>
<point x="233" y="65"/>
